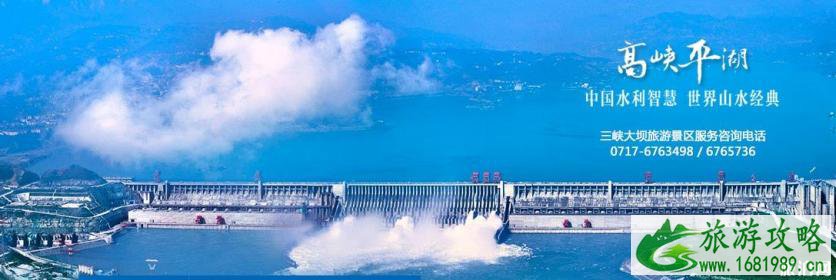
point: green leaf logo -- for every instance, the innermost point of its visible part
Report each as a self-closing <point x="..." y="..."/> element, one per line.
<point x="680" y="254"/>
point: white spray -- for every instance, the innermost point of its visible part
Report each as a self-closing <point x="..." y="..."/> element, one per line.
<point x="368" y="244"/>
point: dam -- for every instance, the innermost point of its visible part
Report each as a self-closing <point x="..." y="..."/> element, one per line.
<point x="533" y="206"/>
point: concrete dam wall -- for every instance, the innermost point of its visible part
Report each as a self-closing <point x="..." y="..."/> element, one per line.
<point x="444" y="203"/>
<point x="219" y="219"/>
<point x="535" y="206"/>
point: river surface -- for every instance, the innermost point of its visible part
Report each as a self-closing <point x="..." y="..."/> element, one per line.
<point x="243" y="252"/>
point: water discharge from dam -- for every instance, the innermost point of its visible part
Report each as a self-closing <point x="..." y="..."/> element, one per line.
<point x="369" y="245"/>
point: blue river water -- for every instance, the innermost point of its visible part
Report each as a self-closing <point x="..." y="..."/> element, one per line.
<point x="242" y="252"/>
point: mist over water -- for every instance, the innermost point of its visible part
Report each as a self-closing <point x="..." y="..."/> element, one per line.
<point x="369" y="245"/>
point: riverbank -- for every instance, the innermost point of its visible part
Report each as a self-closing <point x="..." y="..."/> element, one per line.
<point x="38" y="264"/>
<point x="19" y="264"/>
<point x="96" y="239"/>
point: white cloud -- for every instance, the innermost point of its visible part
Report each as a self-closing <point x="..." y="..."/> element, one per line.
<point x="13" y="86"/>
<point x="407" y="80"/>
<point x="257" y="84"/>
